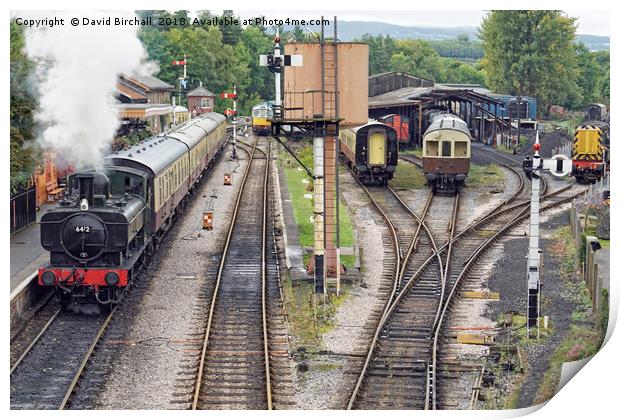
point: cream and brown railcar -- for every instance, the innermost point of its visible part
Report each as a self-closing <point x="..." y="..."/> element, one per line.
<point x="446" y="153"/>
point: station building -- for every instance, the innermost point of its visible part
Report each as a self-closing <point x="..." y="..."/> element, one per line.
<point x="142" y="101"/>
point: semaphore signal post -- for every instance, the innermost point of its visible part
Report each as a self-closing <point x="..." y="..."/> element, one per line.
<point x="558" y="165"/>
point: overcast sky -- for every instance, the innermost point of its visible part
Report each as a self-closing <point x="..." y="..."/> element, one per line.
<point x="589" y="22"/>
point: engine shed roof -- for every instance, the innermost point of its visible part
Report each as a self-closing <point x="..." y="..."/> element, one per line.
<point x="428" y="95"/>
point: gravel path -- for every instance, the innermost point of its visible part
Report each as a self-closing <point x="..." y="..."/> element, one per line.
<point x="508" y="278"/>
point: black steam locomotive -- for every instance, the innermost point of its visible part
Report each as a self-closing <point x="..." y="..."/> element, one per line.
<point x="112" y="218"/>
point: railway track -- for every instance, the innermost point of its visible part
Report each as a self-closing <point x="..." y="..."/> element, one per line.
<point x="46" y="374"/>
<point x="404" y="367"/>
<point x="394" y="373"/>
<point x="234" y="369"/>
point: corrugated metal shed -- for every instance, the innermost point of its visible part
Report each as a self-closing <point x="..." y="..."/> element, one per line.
<point x="379" y="84"/>
<point x="398" y="97"/>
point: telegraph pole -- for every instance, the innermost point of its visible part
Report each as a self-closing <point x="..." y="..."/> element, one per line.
<point x="228" y="112"/>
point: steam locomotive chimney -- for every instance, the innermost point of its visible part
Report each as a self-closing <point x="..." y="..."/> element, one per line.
<point x="87" y="188"/>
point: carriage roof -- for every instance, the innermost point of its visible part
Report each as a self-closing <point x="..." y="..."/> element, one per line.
<point x="157" y="153"/>
<point x="192" y="132"/>
<point x="448" y="122"/>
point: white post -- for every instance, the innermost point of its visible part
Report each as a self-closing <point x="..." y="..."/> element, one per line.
<point x="174" y="111"/>
<point x="276" y="52"/>
<point x="533" y="259"/>
<point x="234" y="142"/>
<point x="319" y="215"/>
<point x="180" y="87"/>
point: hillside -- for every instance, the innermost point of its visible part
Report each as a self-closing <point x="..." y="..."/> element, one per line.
<point x="350" y="30"/>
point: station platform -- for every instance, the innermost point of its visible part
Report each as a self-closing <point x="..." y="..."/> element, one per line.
<point x="27" y="255"/>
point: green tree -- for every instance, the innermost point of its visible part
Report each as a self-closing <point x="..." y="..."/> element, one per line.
<point x="231" y="34"/>
<point x="588" y="77"/>
<point x="458" y="72"/>
<point x="530" y="52"/>
<point x="22" y="106"/>
<point x="381" y="48"/>
<point x="461" y="48"/>
<point x="213" y="62"/>
<point x="417" y="57"/>
<point x="602" y="59"/>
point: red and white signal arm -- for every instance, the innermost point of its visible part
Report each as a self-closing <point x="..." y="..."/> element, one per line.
<point x="229" y="112"/>
<point x="228" y="95"/>
<point x="178" y="62"/>
<point x="558" y="165"/>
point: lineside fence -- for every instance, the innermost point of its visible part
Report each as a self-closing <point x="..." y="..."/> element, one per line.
<point x="23" y="209"/>
<point x="584" y="214"/>
<point x="565" y="149"/>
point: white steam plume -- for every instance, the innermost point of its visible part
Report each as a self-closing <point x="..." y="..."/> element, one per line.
<point x="77" y="70"/>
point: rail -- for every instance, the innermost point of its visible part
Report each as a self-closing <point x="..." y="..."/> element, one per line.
<point x="219" y="284"/>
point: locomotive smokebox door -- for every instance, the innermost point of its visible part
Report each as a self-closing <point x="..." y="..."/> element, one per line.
<point x="227" y="179"/>
<point x="207" y="219"/>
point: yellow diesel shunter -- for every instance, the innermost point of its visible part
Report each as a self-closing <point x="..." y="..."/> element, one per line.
<point x="590" y="151"/>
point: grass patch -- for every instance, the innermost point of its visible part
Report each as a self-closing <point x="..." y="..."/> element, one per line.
<point x="348" y="260"/>
<point x="485" y="176"/>
<point x="502" y="148"/>
<point x="512" y="401"/>
<point x="583" y="338"/>
<point x="408" y="176"/>
<point x="591" y="231"/>
<point x="416" y="152"/>
<point x="304" y="210"/>
<point x="569" y="125"/>
<point x="581" y="342"/>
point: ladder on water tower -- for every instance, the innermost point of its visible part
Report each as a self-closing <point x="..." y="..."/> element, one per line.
<point x="329" y="59"/>
<point x="329" y="88"/>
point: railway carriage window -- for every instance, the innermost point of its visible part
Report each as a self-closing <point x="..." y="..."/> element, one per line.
<point x="205" y="103"/>
<point x="446" y="148"/>
<point x="432" y="148"/>
<point x="460" y="149"/>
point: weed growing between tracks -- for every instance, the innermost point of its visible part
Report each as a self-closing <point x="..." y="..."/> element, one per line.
<point x="490" y="176"/>
<point x="408" y="176"/>
<point x="310" y="319"/>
